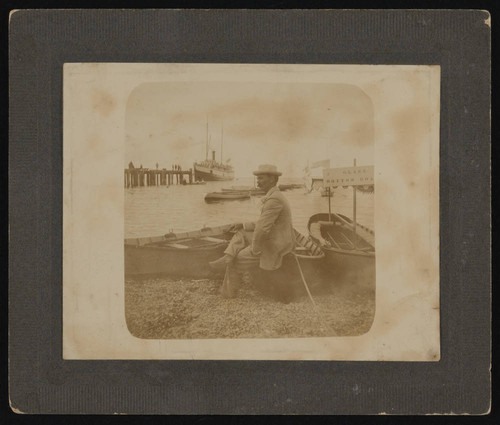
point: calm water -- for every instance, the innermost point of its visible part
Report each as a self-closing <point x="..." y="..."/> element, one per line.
<point x="153" y="211"/>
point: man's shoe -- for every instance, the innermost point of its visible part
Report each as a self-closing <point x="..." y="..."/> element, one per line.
<point x="221" y="263"/>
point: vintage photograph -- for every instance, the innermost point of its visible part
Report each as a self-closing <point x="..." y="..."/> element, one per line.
<point x="232" y="211"/>
<point x="208" y="203"/>
<point x="249" y="210"/>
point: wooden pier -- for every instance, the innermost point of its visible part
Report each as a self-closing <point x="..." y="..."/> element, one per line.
<point x="137" y="177"/>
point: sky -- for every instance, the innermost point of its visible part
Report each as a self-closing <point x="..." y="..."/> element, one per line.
<point x="285" y="124"/>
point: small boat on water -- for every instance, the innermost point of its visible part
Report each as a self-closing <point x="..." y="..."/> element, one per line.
<point x="252" y="190"/>
<point x="290" y="186"/>
<point x="187" y="254"/>
<point x="226" y="196"/>
<point x="349" y="252"/>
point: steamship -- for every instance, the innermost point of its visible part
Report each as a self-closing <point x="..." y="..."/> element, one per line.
<point x="211" y="169"/>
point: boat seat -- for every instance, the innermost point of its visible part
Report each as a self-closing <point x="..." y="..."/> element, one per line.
<point x="326" y="223"/>
<point x="211" y="239"/>
<point x="315" y="231"/>
<point x="301" y="248"/>
<point x="177" y="245"/>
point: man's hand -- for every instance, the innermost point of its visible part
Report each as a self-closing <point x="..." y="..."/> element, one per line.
<point x="235" y="227"/>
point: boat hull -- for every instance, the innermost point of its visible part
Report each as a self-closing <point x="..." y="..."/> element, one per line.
<point x="173" y="262"/>
<point x="211" y="174"/>
<point x="146" y="257"/>
<point x="176" y="254"/>
<point x="347" y="264"/>
<point x="226" y="196"/>
<point x="344" y="267"/>
<point x="308" y="262"/>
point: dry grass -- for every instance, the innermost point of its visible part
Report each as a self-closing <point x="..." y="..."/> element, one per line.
<point x="164" y="308"/>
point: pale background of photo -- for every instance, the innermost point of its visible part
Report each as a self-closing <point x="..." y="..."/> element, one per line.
<point x="284" y="123"/>
<point x="406" y="101"/>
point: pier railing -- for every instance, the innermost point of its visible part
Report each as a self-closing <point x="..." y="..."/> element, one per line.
<point x="137" y="177"/>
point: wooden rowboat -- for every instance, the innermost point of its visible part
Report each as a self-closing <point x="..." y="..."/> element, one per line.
<point x="226" y="196"/>
<point x="176" y="254"/>
<point x="188" y="254"/>
<point x="349" y="254"/>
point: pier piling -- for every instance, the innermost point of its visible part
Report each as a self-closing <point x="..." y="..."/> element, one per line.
<point x="140" y="177"/>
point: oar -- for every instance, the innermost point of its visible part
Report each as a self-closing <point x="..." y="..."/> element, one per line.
<point x="304" y="281"/>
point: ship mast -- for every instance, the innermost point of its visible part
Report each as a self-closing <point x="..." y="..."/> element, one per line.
<point x="206" y="145"/>
<point x="221" y="140"/>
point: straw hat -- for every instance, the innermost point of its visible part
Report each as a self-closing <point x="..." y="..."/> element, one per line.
<point x="267" y="169"/>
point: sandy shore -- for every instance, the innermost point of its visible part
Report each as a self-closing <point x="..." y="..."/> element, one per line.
<point x="164" y="308"/>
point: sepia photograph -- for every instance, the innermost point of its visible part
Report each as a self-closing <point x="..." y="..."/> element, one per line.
<point x="205" y="203"/>
<point x="249" y="210"/>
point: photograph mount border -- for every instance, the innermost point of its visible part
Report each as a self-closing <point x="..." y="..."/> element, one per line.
<point x="41" y="382"/>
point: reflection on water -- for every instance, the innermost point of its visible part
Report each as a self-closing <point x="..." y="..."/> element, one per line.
<point x="155" y="210"/>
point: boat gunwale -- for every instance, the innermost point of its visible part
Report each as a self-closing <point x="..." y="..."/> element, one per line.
<point x="210" y="231"/>
<point x="311" y="254"/>
<point x="309" y="257"/>
<point x="153" y="246"/>
<point x="345" y="223"/>
<point x="214" y="231"/>
<point x="356" y="252"/>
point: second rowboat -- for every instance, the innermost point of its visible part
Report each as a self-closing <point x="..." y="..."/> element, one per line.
<point x="226" y="196"/>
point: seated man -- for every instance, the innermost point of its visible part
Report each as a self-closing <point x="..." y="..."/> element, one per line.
<point x="263" y="243"/>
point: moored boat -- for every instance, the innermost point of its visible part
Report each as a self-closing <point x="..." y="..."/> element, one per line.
<point x="187" y="254"/>
<point x="289" y="186"/>
<point x="226" y="196"/>
<point x="212" y="170"/>
<point x="176" y="254"/>
<point x="251" y="190"/>
<point x="349" y="250"/>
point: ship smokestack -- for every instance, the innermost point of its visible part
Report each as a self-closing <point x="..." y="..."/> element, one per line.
<point x="213" y="155"/>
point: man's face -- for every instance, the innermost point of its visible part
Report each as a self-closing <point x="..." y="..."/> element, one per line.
<point x="265" y="181"/>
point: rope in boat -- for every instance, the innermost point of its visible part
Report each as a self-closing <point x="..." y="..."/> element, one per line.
<point x="315" y="250"/>
<point x="304" y="282"/>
